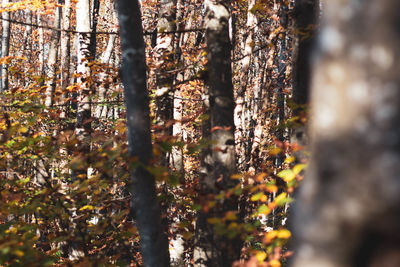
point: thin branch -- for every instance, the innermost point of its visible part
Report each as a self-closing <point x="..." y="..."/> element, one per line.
<point x="98" y="32"/>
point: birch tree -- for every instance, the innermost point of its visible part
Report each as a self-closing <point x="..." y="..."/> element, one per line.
<point x="52" y="60"/>
<point x="165" y="76"/>
<point x="83" y="125"/>
<point x="215" y="250"/>
<point x="5" y="45"/>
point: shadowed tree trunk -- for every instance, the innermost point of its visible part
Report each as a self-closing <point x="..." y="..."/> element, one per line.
<point x="165" y="78"/>
<point x="348" y="212"/>
<point x="306" y="17"/>
<point x="153" y="242"/>
<point x="214" y="249"/>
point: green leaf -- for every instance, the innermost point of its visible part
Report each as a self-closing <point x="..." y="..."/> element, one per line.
<point x="257" y="196"/>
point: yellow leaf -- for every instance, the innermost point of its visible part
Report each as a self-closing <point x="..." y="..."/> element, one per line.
<point x="23" y="129"/>
<point x="87" y="207"/>
<point x="261" y="256"/>
<point x="280" y="199"/>
<point x="298" y="168"/>
<point x="287" y="175"/>
<point x="290" y="159"/>
<point x="263" y="209"/>
<point x="236" y="176"/>
<point x="257" y="196"/>
<point x="275" y="151"/>
<point x="284" y="234"/>
<point x="274" y="263"/>
<point x="18" y="252"/>
<point x="271" y="235"/>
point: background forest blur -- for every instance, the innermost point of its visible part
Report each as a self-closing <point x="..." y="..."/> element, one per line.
<point x="212" y="97"/>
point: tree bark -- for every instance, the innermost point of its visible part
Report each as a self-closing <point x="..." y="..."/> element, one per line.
<point x="165" y="78"/>
<point x="52" y="60"/>
<point x="306" y="18"/>
<point x="102" y="110"/>
<point x="65" y="45"/>
<point x="83" y="124"/>
<point x="154" y="244"/>
<point x="216" y="250"/>
<point x="347" y="213"/>
<point x="241" y="132"/>
<point x="41" y="45"/>
<point x="5" y="46"/>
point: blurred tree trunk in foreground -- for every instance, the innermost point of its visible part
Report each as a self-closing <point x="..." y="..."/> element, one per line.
<point x="153" y="242"/>
<point x="348" y="213"/>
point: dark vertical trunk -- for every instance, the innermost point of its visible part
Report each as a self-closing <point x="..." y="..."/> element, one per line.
<point x="95" y="15"/>
<point x="306" y="17"/>
<point x="348" y="211"/>
<point x="216" y="250"/>
<point x="154" y="244"/>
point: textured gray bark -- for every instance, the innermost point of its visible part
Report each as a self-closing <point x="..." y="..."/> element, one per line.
<point x="153" y="242"/>
<point x="215" y="250"/>
<point x="348" y="211"/>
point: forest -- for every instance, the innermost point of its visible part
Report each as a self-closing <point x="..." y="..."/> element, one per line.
<point x="202" y="133"/>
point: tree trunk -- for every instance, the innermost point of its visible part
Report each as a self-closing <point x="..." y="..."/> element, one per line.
<point x="216" y="250"/>
<point x="241" y="131"/>
<point x="83" y="124"/>
<point x="102" y="110"/>
<point x="154" y="244"/>
<point x="5" y="46"/>
<point x="52" y="60"/>
<point x="41" y="45"/>
<point x="306" y="16"/>
<point x="65" y="45"/>
<point x="165" y="78"/>
<point x="349" y="205"/>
